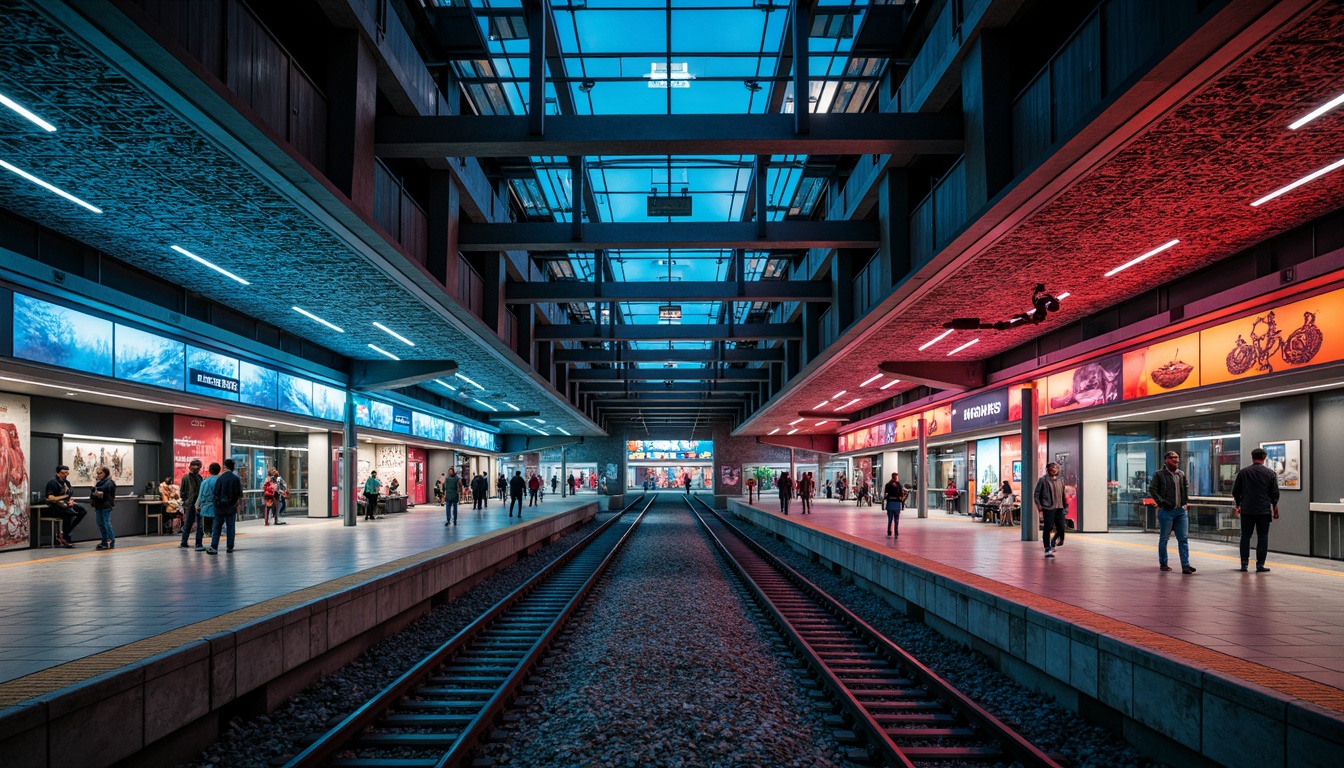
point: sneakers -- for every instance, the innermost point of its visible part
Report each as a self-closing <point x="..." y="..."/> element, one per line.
<point x="102" y="547"/>
<point x="200" y="549"/>
<point x="1050" y="552"/>
<point x="211" y="551"/>
<point x="1258" y="569"/>
<point x="1164" y="567"/>
<point x="1187" y="569"/>
<point x="445" y="525"/>
<point x="183" y="546"/>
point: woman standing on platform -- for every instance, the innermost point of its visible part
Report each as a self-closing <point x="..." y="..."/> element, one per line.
<point x="371" y="487"/>
<point x="893" y="498"/>
<point x="102" y="497"/>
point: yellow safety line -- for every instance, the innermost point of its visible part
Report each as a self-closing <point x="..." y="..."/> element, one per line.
<point x="1231" y="558"/>
<point x="95" y="553"/>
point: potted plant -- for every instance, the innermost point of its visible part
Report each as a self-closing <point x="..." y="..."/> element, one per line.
<point x="985" y="491"/>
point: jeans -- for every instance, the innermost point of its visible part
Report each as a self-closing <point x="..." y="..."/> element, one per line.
<point x="280" y="504"/>
<point x="807" y="505"/>
<point x="532" y="497"/>
<point x="193" y="518"/>
<point x="516" y="500"/>
<point x="1258" y="525"/>
<point x="784" y="504"/>
<point x="223" y="523"/>
<point x="1177" y="521"/>
<point x="371" y="510"/>
<point x="450" y="511"/>
<point x="1054" y="527"/>
<point x="104" y="517"/>
<point x="894" y="519"/>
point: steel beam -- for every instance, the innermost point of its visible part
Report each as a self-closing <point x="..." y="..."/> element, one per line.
<point x="626" y="135"/>
<point x="762" y="355"/>
<point x="559" y="236"/>
<point x="767" y="290"/>
<point x="592" y="332"/>
<point x="669" y="374"/>
<point x="737" y="388"/>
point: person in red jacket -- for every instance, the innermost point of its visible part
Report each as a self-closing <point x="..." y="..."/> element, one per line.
<point x="533" y="488"/>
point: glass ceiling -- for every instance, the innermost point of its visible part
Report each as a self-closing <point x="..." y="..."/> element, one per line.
<point x="650" y="57"/>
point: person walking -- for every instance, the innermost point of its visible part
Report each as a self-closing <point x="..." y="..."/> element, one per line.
<point x="785" y="486"/>
<point x="533" y="487"/>
<point x="686" y="481"/>
<point x="61" y="503"/>
<point x="101" y="498"/>
<point x="268" y="500"/>
<point x="371" y="487"/>
<point x="480" y="488"/>
<point x="281" y="496"/>
<point x="573" y="484"/>
<point x="1049" y="498"/>
<point x="1170" y="489"/>
<point x="1256" y="493"/>
<point x="555" y="484"/>
<point x="452" y="492"/>
<point x="806" y="487"/>
<point x="228" y="502"/>
<point x="893" y="498"/>
<point x="516" y="486"/>
<point x="502" y="486"/>
<point x="191" y="506"/>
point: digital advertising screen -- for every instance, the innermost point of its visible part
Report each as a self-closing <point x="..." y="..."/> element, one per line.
<point x="257" y="385"/>
<point x="148" y="358"/>
<point x="380" y="415"/>
<point x="296" y="395"/>
<point x="212" y="374"/>
<point x="328" y="402"/>
<point x="668" y="450"/>
<point x="56" y="335"/>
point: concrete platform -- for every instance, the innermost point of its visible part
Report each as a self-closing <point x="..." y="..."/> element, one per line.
<point x="1238" y="669"/>
<point x="125" y="648"/>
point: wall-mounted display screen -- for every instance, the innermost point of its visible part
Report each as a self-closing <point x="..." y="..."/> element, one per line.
<point x="256" y="385"/>
<point x="296" y="395"/>
<point x="476" y="438"/>
<point x="664" y="450"/>
<point x="148" y="358"/>
<point x="401" y="420"/>
<point x="328" y="402"/>
<point x="363" y="411"/>
<point x="380" y="415"/>
<point x="48" y="333"/>
<point x="212" y="374"/>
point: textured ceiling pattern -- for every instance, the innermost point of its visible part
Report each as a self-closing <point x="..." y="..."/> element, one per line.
<point x="1191" y="176"/>
<point x="161" y="182"/>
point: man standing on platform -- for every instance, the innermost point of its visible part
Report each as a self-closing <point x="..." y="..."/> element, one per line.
<point x="1256" y="492"/>
<point x="533" y="488"/>
<point x="452" y="492"/>
<point x="191" y="491"/>
<point x="806" y="487"/>
<point x="516" y="486"/>
<point x="371" y="487"/>
<point x="1170" y="488"/>
<point x="785" y="485"/>
<point x="1049" y="498"/>
<point x="228" y="501"/>
<point x="893" y="498"/>
<point x="480" y="489"/>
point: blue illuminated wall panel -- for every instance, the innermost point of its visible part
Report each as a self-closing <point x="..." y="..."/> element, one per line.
<point x="212" y="374"/>
<point x="148" y="358"/>
<point x="257" y="385"/>
<point x="328" y="402"/>
<point x="48" y="333"/>
<point x="296" y="395"/>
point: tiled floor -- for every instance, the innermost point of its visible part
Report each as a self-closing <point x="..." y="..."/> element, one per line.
<point x="61" y="605"/>
<point x="1291" y="619"/>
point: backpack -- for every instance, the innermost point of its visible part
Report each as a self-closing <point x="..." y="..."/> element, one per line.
<point x="268" y="490"/>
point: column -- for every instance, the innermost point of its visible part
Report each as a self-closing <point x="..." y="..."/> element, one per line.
<point x="444" y="222"/>
<point x="349" y="480"/>
<point x="893" y="217"/>
<point x="986" y="105"/>
<point x="1031" y="439"/>
<point x="352" y="95"/>
<point x="922" y="464"/>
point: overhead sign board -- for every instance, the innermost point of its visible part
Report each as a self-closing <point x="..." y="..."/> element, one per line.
<point x="983" y="410"/>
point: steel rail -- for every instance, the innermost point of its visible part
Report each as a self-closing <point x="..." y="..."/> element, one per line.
<point x="908" y="712"/>
<point x="496" y="652"/>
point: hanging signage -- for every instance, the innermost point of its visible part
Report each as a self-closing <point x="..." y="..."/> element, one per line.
<point x="401" y="419"/>
<point x="983" y="410"/>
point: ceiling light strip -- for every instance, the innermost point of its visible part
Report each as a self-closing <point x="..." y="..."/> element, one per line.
<point x="1169" y="244"/>
<point x="846" y="405"/>
<point x="50" y="187"/>
<point x="935" y="340"/>
<point x="871" y="380"/>
<point x="393" y="334"/>
<point x="1304" y="180"/>
<point x="29" y="116"/>
<point x="311" y="316"/>
<point x="207" y="263"/>
<point x="968" y="344"/>
<point x="446" y="384"/>
<point x="383" y="352"/>
<point x="487" y="405"/>
<point x="891" y="384"/>
<point x="1301" y="121"/>
<point x="469" y="381"/>
<point x="791" y="431"/>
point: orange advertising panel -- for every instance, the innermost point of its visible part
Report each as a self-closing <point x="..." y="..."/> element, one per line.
<point x="1166" y="366"/>
<point x="1089" y="384"/>
<point x="1015" y="400"/>
<point x="938" y="421"/>
<point x="1303" y="333"/>
<point x="1010" y="461"/>
<point x="907" y="428"/>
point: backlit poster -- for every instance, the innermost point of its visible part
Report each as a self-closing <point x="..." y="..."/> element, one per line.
<point x="938" y="421"/>
<point x="196" y="438"/>
<point x="1166" y="366"/>
<point x="670" y="450"/>
<point x="85" y="455"/>
<point x="1015" y="400"/>
<point x="296" y="394"/>
<point x="328" y="402"/>
<point x="988" y="469"/>
<point x="212" y="374"/>
<point x="56" y="335"/>
<point x="257" y="385"/>
<point x="15" y="445"/>
<point x="401" y="420"/>
<point x="729" y="479"/>
<point x="1095" y="383"/>
<point x="1291" y="336"/>
<point x="363" y="411"/>
<point x="390" y="461"/>
<point x="380" y="415"/>
<point x="148" y="358"/>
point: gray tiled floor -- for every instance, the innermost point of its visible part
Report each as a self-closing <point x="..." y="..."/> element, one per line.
<point x="61" y="605"/>
<point x="1291" y="619"/>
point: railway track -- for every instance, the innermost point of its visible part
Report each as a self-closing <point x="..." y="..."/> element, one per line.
<point x="435" y="714"/>
<point x="904" y="712"/>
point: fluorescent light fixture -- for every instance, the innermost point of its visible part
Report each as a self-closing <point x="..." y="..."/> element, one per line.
<point x="487" y="405"/>
<point x="1205" y="410"/>
<point x="970" y="343"/>
<point x="393" y="334"/>
<point x="469" y="381"/>
<point x="839" y="394"/>
<point x="311" y="316"/>
<point x="820" y="405"/>
<point x="382" y="351"/>
<point x="512" y="406"/>
<point x="446" y="384"/>
<point x="272" y="422"/>
<point x="935" y="340"/>
<point x="1063" y="295"/>
<point x="540" y="421"/>
<point x="773" y="431"/>
<point x="871" y="380"/>
<point x="217" y="268"/>
<point x="50" y="187"/>
<point x="561" y="430"/>
<point x="846" y="405"/>
<point x="99" y="439"/>
<point x="39" y="122"/>
<point x="795" y="421"/>
<point x="99" y="394"/>
<point x="791" y="431"/>
<point x="1281" y="190"/>
<point x="1199" y="438"/>
<point x="891" y="384"/>
<point x="1301" y="121"/>
<point x="1154" y="252"/>
<point x="823" y="421"/>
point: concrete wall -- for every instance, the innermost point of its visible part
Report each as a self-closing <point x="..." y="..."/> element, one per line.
<point x="1184" y="714"/>
<point x="165" y="708"/>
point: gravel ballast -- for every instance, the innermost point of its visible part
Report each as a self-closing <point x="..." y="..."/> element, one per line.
<point x="255" y="743"/>
<point x="666" y="668"/>
<point x="1045" y="723"/>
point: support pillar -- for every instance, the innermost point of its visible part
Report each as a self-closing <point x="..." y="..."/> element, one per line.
<point x="349" y="477"/>
<point x="351" y="110"/>
<point x="842" y="288"/>
<point x="442" y="227"/>
<point x="986" y="104"/>
<point x="1031" y="438"/>
<point x="537" y="23"/>
<point x="802" y="78"/>
<point x="812" y="312"/>
<point x="921" y="464"/>
<point x="893" y="216"/>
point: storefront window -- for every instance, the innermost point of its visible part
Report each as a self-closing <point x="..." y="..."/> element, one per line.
<point x="948" y="467"/>
<point x="1133" y="450"/>
<point x="255" y="451"/>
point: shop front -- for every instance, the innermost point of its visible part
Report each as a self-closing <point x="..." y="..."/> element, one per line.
<point x="668" y="464"/>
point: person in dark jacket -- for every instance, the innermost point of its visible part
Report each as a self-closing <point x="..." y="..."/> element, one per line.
<point x="480" y="490"/>
<point x="785" y="486"/>
<point x="516" y="486"/>
<point x="893" y="498"/>
<point x="61" y="503"/>
<point x="1170" y="489"/>
<point x="102" y="497"/>
<point x="1256" y="492"/>
<point x="452" y="492"/>
<point x="807" y="487"/>
<point x="228" y="502"/>
<point x="191" y="507"/>
<point x="1049" y="499"/>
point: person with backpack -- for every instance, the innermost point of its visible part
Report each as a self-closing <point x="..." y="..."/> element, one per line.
<point x="893" y="498"/>
<point x="452" y="492"/>
<point x="268" y="501"/>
